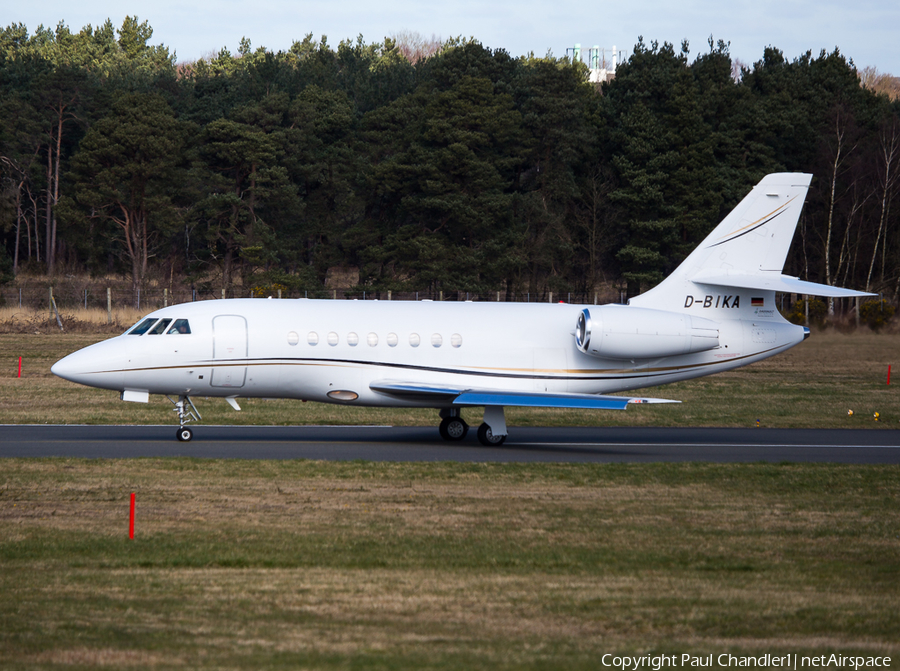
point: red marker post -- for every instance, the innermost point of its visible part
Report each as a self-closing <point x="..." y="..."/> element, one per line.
<point x="889" y="373"/>
<point x="20" y="366"/>
<point x="131" y="519"/>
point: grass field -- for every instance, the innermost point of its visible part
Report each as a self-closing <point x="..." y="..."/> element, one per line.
<point x="812" y="385"/>
<point x="359" y="565"/>
<point x="298" y="564"/>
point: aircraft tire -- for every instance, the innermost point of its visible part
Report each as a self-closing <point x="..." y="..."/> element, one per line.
<point x="184" y="434"/>
<point x="453" y="428"/>
<point x="487" y="438"/>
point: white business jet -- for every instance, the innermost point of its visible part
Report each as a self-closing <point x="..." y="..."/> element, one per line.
<point x="716" y="312"/>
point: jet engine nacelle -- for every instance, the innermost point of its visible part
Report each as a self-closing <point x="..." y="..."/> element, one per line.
<point x="622" y="332"/>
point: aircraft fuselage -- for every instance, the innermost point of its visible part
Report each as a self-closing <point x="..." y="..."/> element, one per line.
<point x="308" y="349"/>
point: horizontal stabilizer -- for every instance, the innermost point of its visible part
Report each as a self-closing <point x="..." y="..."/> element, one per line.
<point x="519" y="399"/>
<point x="778" y="282"/>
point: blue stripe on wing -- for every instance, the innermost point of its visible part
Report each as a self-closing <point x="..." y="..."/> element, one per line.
<point x="492" y="397"/>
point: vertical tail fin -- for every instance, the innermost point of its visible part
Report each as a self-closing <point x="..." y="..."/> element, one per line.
<point x="756" y="235"/>
<point x="749" y="247"/>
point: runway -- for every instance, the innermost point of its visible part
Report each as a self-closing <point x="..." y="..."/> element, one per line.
<point x="386" y="443"/>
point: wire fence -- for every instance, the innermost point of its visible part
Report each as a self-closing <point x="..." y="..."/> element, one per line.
<point x="69" y="297"/>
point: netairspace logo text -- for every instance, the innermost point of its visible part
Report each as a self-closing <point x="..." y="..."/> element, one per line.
<point x="790" y="661"/>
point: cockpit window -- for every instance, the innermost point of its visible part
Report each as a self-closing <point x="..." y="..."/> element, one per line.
<point x="160" y="328"/>
<point x="142" y="327"/>
<point x="180" y="326"/>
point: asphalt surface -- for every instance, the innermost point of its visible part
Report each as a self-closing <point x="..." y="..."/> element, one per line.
<point x="384" y="443"/>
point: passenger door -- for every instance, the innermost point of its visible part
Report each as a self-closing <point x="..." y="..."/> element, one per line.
<point x="230" y="350"/>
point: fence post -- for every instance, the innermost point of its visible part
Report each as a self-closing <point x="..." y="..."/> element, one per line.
<point x="108" y="305"/>
<point x="50" y="304"/>
<point x="279" y="294"/>
<point x="166" y="297"/>
<point x="550" y="297"/>
<point x="389" y="294"/>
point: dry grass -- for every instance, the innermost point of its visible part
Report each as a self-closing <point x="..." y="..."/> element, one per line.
<point x="90" y="321"/>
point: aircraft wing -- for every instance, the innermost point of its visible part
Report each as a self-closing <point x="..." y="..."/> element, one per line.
<point x="461" y="396"/>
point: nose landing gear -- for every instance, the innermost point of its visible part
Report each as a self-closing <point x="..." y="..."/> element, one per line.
<point x="184" y="406"/>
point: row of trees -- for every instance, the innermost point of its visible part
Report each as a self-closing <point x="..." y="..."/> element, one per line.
<point x="451" y="168"/>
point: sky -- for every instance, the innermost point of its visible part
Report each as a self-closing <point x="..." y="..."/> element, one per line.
<point x="865" y="30"/>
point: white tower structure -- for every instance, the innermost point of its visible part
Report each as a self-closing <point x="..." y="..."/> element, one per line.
<point x="601" y="62"/>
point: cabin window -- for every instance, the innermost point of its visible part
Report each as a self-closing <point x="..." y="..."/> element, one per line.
<point x="392" y="339"/>
<point x="456" y="340"/>
<point x="352" y="339"/>
<point x="160" y="328"/>
<point x="332" y="338"/>
<point x="181" y="326"/>
<point x="142" y="327"/>
<point x="414" y="340"/>
<point x="372" y="339"/>
<point x="312" y="338"/>
<point x="436" y="340"/>
<point x="293" y="338"/>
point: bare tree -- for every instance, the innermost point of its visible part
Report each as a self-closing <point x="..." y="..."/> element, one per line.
<point x="592" y="220"/>
<point x="880" y="82"/>
<point x="888" y="155"/>
<point x="737" y="69"/>
<point x="414" y="46"/>
<point x="840" y="149"/>
<point x="60" y="98"/>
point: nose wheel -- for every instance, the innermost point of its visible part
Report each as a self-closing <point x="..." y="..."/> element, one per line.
<point x="186" y="411"/>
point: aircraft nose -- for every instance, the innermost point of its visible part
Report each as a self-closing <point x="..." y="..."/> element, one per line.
<point x="69" y="367"/>
<point x="94" y="366"/>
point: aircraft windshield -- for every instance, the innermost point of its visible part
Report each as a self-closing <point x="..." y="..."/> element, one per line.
<point x="160" y="327"/>
<point x="180" y="326"/>
<point x="142" y="327"/>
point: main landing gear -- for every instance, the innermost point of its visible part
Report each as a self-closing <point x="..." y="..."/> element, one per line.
<point x="490" y="434"/>
<point x="487" y="438"/>
<point x="452" y="425"/>
<point x="186" y="413"/>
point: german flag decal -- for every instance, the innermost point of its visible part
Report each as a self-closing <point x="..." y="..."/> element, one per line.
<point x="757" y="302"/>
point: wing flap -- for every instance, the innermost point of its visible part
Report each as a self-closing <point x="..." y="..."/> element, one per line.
<point x="462" y="397"/>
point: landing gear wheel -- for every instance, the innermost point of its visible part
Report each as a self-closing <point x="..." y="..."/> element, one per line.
<point x="453" y="428"/>
<point x="487" y="438"/>
<point x="184" y="434"/>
